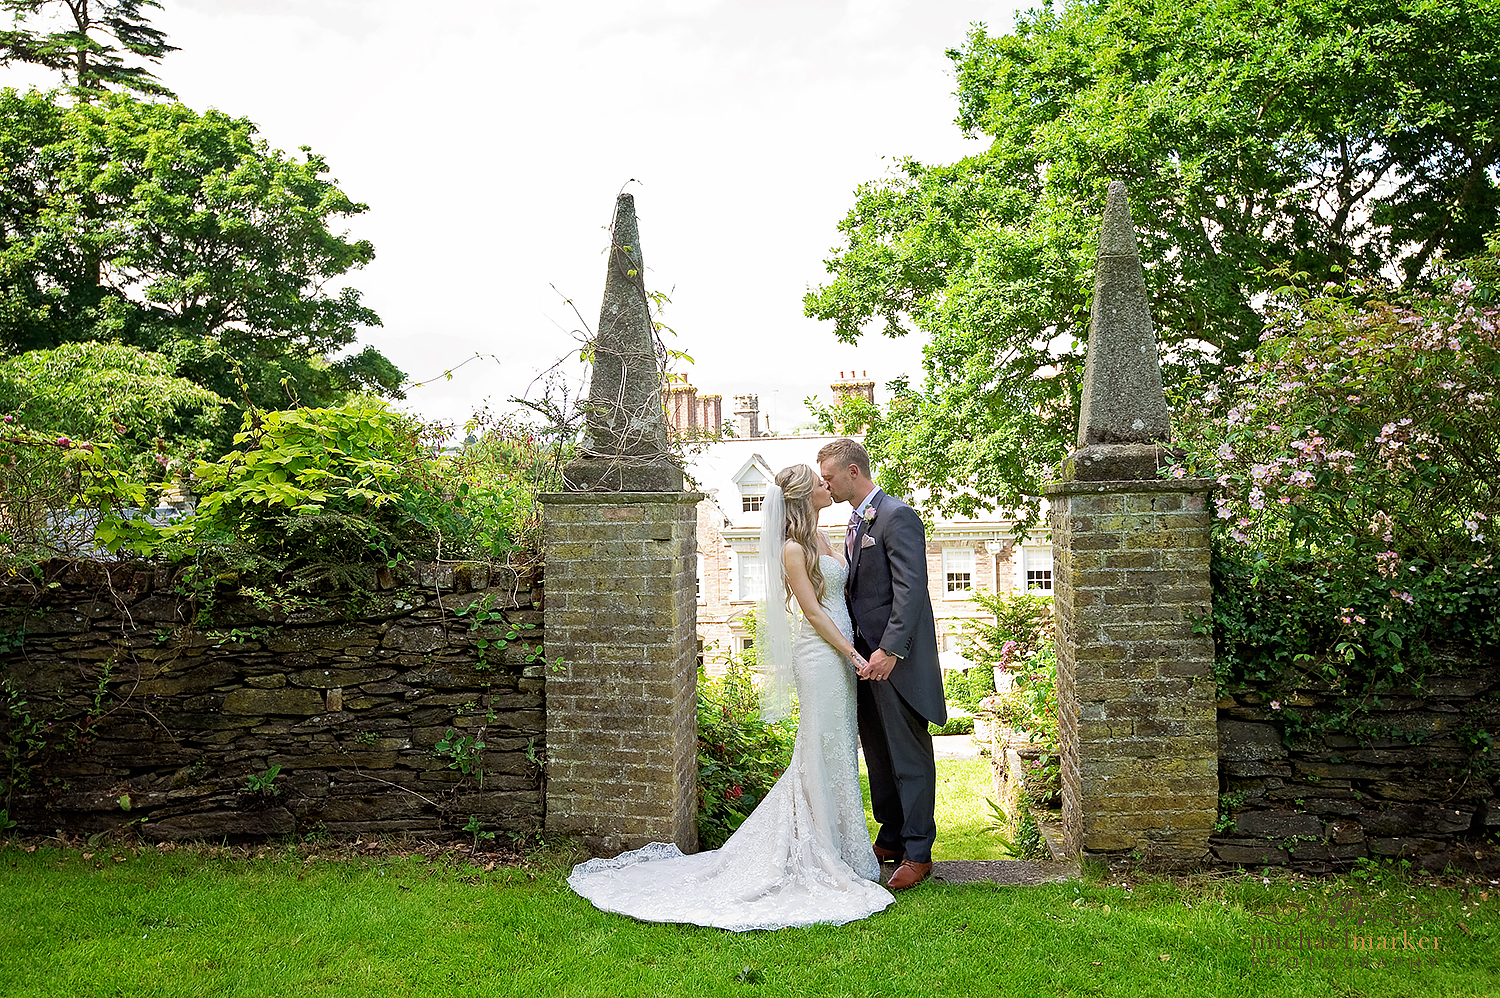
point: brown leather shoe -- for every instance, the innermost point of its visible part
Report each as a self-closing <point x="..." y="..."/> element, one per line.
<point x="885" y="855"/>
<point x="908" y="874"/>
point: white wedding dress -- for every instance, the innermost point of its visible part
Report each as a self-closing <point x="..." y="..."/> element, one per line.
<point x="803" y="857"/>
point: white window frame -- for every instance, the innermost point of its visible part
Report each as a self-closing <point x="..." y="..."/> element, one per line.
<point x="751" y="584"/>
<point x="1035" y="559"/>
<point x="702" y="589"/>
<point x="958" y="561"/>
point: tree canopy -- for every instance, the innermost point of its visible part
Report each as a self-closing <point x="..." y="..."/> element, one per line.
<point x="1341" y="141"/>
<point x="81" y="49"/>
<point x="185" y="234"/>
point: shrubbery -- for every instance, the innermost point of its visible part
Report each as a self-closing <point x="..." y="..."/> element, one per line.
<point x="1357" y="464"/>
<point x="304" y="493"/>
<point x="1022" y="631"/>
<point x="1357" y="461"/>
<point x="740" y="757"/>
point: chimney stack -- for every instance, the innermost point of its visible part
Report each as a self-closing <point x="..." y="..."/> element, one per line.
<point x="747" y="415"/>
<point x="856" y="385"/>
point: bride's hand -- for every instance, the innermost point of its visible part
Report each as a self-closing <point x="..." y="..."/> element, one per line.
<point x="859" y="662"/>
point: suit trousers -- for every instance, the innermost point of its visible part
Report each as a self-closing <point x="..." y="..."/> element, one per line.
<point x="903" y="775"/>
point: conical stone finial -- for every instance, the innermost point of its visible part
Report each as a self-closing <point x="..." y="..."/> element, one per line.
<point x="624" y="447"/>
<point x="1123" y="419"/>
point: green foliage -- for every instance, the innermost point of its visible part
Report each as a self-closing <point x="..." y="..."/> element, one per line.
<point x="307" y="499"/>
<point x="1022" y="625"/>
<point x="1021" y="628"/>
<point x="82" y="51"/>
<point x="740" y="757"/>
<point x="965" y="688"/>
<point x="494" y="631"/>
<point x="22" y="739"/>
<point x="476" y="828"/>
<point x="463" y="752"/>
<point x="1355" y="457"/>
<point x="261" y="783"/>
<point x="492" y="482"/>
<point x="114" y="393"/>
<point x="306" y="461"/>
<point x="1030" y="704"/>
<point x="185" y="235"/>
<point x="957" y="724"/>
<point x="1345" y="142"/>
<point x="60" y="495"/>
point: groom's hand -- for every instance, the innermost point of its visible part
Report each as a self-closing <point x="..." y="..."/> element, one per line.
<point x="880" y="666"/>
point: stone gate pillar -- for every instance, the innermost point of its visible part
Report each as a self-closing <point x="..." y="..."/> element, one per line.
<point x="622" y="712"/>
<point x="1136" y="696"/>
<point x="620" y="549"/>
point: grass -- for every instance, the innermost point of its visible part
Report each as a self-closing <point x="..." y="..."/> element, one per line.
<point x="320" y="920"/>
<point x="962" y="814"/>
<point x="189" y="923"/>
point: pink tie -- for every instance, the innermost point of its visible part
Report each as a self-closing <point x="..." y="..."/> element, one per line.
<point x="849" y="537"/>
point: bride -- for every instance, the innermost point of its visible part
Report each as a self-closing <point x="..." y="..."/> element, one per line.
<point x="803" y="857"/>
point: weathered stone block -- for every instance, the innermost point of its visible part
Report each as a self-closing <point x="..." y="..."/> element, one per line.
<point x="282" y="701"/>
<point x="1248" y="852"/>
<point x="1241" y="741"/>
<point x="339" y="678"/>
<point x="1278" y="824"/>
<point x="215" y="825"/>
<point x="1417" y="821"/>
<point x="414" y="639"/>
<point x="1403" y="846"/>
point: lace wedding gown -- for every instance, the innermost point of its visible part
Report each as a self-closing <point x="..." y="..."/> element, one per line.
<point x="803" y="856"/>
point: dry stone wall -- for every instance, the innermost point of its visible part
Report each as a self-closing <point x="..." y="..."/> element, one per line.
<point x="130" y="699"/>
<point x="1409" y="786"/>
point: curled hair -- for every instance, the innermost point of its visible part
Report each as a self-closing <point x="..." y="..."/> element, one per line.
<point x="797" y="483"/>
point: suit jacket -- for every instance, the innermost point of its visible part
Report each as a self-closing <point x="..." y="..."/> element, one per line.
<point x="887" y="594"/>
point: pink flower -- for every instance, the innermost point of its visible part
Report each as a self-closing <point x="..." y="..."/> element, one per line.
<point x="64" y="442"/>
<point x="1275" y="704"/>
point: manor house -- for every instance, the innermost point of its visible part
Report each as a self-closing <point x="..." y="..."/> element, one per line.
<point x="734" y="470"/>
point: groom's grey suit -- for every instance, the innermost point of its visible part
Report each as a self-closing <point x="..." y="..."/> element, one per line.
<point x="887" y="593"/>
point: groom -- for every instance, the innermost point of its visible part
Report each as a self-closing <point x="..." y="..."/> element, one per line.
<point x="901" y="688"/>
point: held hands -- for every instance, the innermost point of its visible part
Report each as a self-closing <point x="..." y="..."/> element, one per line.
<point x="880" y="665"/>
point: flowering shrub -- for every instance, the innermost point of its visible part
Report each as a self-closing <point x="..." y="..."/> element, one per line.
<point x="1030" y="704"/>
<point x="740" y="757"/>
<point x="1357" y="462"/>
<point x="1361" y="427"/>
<point x="1022" y="626"/>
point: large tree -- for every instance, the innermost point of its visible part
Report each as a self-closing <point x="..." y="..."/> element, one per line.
<point x="88" y="43"/>
<point x="184" y="234"/>
<point x="1329" y="138"/>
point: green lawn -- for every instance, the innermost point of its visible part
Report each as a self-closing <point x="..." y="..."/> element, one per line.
<point x="187" y="923"/>
<point x="329" y="921"/>
<point x="963" y="786"/>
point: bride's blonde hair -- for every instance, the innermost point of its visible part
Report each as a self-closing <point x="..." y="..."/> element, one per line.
<point x="797" y="484"/>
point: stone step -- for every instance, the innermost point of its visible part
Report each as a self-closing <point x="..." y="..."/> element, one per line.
<point x="1011" y="872"/>
<point x="1052" y="834"/>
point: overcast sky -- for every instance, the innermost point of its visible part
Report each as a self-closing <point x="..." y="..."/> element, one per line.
<point x="490" y="139"/>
